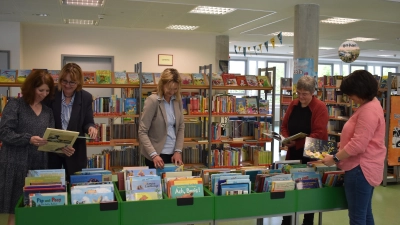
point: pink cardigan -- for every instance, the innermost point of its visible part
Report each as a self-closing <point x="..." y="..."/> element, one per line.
<point x="363" y="138"/>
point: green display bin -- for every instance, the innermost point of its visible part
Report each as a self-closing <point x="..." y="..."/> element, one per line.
<point x="167" y="211"/>
<point x="255" y="205"/>
<point x="321" y="199"/>
<point x="99" y="214"/>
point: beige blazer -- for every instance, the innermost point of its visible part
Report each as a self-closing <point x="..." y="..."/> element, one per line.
<point x="153" y="126"/>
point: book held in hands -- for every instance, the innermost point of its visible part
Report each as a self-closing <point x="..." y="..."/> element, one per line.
<point x="317" y="149"/>
<point x="58" y="139"/>
<point x="284" y="140"/>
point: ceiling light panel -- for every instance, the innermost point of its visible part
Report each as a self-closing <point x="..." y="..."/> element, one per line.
<point x="211" y="10"/>
<point x="362" y="39"/>
<point x="81" y="22"/>
<point x="182" y="27"/>
<point x="385" y="55"/>
<point x="92" y="3"/>
<point x="339" y="20"/>
<point x="325" y="48"/>
<point x="285" y="34"/>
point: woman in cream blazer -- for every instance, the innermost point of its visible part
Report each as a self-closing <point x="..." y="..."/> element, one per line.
<point x="161" y="127"/>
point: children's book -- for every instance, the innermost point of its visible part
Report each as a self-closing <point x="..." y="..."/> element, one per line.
<point x="75" y="179"/>
<point x="240" y="105"/>
<point x="133" y="78"/>
<point x="217" y="80"/>
<point x="147" y="79"/>
<point x="229" y="79"/>
<point x="47" y="173"/>
<point x="103" y="76"/>
<point x="251" y="105"/>
<point x="186" y="79"/>
<point x="286" y="82"/>
<point x="187" y="191"/>
<point x="143" y="196"/>
<point x="8" y="76"/>
<point x="284" y="140"/>
<point x="264" y="81"/>
<point x="241" y="81"/>
<point x="157" y="77"/>
<point x="317" y="149"/>
<point x="120" y="78"/>
<point x="57" y="139"/>
<point x="89" y="77"/>
<point x="199" y="79"/>
<point x="169" y="167"/>
<point x="130" y="106"/>
<point x="251" y="80"/>
<point x="55" y="75"/>
<point x="48" y="199"/>
<point x="263" y="106"/>
<point x="22" y="75"/>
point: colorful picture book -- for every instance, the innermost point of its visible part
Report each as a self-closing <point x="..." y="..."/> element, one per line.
<point x="22" y="75"/>
<point x="130" y="106"/>
<point x="317" y="149"/>
<point x="48" y="199"/>
<point x="103" y="76"/>
<point x="217" y="80"/>
<point x="284" y="140"/>
<point x="57" y="139"/>
<point x="264" y="81"/>
<point x="241" y="81"/>
<point x="199" y="79"/>
<point x="229" y="79"/>
<point x="157" y="77"/>
<point x="120" y="78"/>
<point x="251" y="80"/>
<point x="89" y="77"/>
<point x="186" y="79"/>
<point x="55" y="75"/>
<point x="8" y="76"/>
<point x="147" y="79"/>
<point x="133" y="78"/>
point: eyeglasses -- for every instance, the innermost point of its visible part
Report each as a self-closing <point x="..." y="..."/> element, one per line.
<point x="71" y="83"/>
<point x="303" y="94"/>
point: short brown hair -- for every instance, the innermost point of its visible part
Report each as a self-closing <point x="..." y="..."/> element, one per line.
<point x="306" y="83"/>
<point x="75" y="71"/>
<point x="167" y="76"/>
<point x="35" y="79"/>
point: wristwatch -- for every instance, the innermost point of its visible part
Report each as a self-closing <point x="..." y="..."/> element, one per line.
<point x="335" y="159"/>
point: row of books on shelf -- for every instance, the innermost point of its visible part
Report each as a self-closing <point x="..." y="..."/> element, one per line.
<point x="115" y="105"/>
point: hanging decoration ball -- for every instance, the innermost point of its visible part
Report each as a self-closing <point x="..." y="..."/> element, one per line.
<point x="349" y="51"/>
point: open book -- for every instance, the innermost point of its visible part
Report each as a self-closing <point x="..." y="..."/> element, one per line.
<point x="284" y="140"/>
<point x="317" y="149"/>
<point x="58" y="139"/>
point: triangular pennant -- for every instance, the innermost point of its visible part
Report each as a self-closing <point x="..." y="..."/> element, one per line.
<point x="272" y="40"/>
<point x="266" y="45"/>
<point x="248" y="48"/>
<point x="235" y="48"/>
<point x="260" y="47"/>
<point x="244" y="51"/>
<point x="239" y="48"/>
<point x="280" y="37"/>
<point x="255" y="50"/>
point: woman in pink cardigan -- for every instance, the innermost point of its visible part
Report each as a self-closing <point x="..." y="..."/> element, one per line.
<point x="362" y="147"/>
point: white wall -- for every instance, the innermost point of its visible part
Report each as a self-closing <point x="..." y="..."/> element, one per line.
<point x="44" y="44"/>
<point x="10" y="40"/>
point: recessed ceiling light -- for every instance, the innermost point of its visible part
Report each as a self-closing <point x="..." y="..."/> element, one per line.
<point x="381" y="50"/>
<point x="93" y="3"/>
<point x="40" y="14"/>
<point x="182" y="27"/>
<point x="290" y="52"/>
<point x="81" y="22"/>
<point x="325" y="48"/>
<point x="286" y="34"/>
<point x="339" y="20"/>
<point x="362" y="39"/>
<point x="211" y="10"/>
<point x="385" y="55"/>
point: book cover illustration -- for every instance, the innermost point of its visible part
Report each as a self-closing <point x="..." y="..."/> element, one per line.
<point x="199" y="79"/>
<point x="90" y="178"/>
<point x="251" y="105"/>
<point x="251" y="80"/>
<point x="133" y="78"/>
<point x="157" y="77"/>
<point x="144" y="196"/>
<point x="240" y="105"/>
<point x="263" y="81"/>
<point x="286" y="82"/>
<point x="263" y="106"/>
<point x="88" y="77"/>
<point x="169" y="167"/>
<point x="120" y="78"/>
<point x="55" y="75"/>
<point x="317" y="149"/>
<point x="47" y="199"/>
<point x="186" y="78"/>
<point x="217" y="80"/>
<point x="241" y="81"/>
<point x="147" y="79"/>
<point x="8" y="76"/>
<point x="284" y="140"/>
<point x="229" y="79"/>
<point x="150" y="183"/>
<point x="103" y="76"/>
<point x="48" y="173"/>
<point x="130" y="106"/>
<point x="22" y="75"/>
<point x="140" y="172"/>
<point x="91" y="195"/>
<point x="187" y="191"/>
<point x="58" y="139"/>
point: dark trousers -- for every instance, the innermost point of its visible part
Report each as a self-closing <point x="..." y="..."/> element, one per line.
<point x="71" y="164"/>
<point x="165" y="157"/>
<point x="308" y="219"/>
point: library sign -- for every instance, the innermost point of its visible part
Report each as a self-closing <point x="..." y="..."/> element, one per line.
<point x="349" y="51"/>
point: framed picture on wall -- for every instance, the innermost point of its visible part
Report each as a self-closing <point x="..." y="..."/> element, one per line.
<point x="165" y="60"/>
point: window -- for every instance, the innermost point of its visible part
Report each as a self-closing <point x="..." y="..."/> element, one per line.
<point x="238" y="67"/>
<point x="354" y="68"/>
<point x="280" y="72"/>
<point x="378" y="71"/>
<point x="336" y="70"/>
<point x="387" y="69"/>
<point x="371" y="69"/>
<point x="346" y="70"/>
<point x="324" y="69"/>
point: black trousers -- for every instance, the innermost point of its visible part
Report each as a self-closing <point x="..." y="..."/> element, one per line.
<point x="165" y="157"/>
<point x="71" y="164"/>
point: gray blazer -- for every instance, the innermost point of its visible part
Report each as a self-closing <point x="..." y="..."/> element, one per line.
<point x="153" y="126"/>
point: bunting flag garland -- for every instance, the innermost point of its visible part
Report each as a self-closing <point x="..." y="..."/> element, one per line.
<point x="280" y="37"/>
<point x="244" y="51"/>
<point x="272" y="40"/>
<point x="248" y="48"/>
<point x="255" y="50"/>
<point x="235" y="49"/>
<point x="260" y="47"/>
<point x="239" y="48"/>
<point x="266" y="45"/>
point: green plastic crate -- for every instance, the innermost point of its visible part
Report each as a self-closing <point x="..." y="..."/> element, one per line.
<point x="166" y="211"/>
<point x="327" y="198"/>
<point x="99" y="214"/>
<point x="255" y="205"/>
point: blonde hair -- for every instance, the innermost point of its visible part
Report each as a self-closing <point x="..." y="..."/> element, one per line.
<point x="75" y="71"/>
<point x="167" y="76"/>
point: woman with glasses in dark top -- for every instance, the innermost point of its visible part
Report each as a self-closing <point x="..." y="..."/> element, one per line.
<point x="72" y="109"/>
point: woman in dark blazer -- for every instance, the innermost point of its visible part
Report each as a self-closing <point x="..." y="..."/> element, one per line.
<point x="72" y="109"/>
